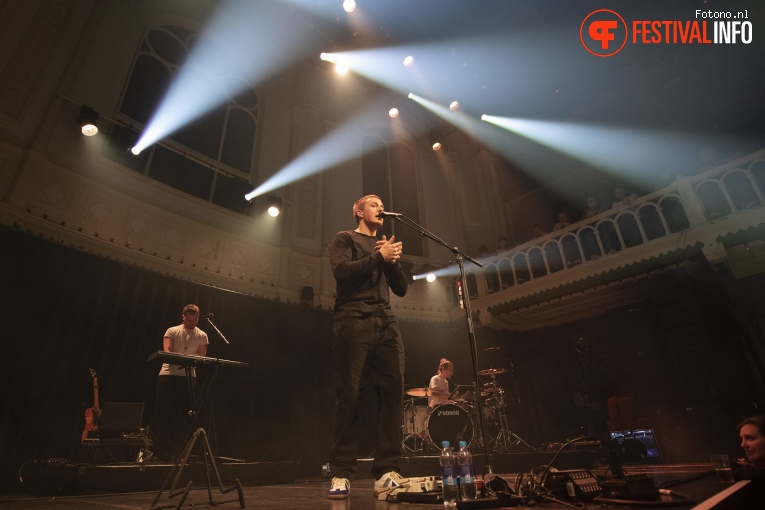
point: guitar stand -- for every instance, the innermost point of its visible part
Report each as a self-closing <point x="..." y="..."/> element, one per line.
<point x="178" y="470"/>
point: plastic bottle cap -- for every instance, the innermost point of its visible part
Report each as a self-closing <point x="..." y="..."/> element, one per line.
<point x="463" y="444"/>
<point x="445" y="444"/>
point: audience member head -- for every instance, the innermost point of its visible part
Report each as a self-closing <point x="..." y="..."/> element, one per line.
<point x="592" y="202"/>
<point x="502" y="243"/>
<point x="537" y="230"/>
<point x="752" y="434"/>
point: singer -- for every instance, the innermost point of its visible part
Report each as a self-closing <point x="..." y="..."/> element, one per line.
<point x="368" y="346"/>
<point x="171" y="407"/>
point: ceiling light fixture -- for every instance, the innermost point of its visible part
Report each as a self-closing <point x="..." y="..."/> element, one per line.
<point x="349" y="5"/>
<point x="409" y="61"/>
<point x="393" y="112"/>
<point x="87" y="121"/>
<point x="275" y="205"/>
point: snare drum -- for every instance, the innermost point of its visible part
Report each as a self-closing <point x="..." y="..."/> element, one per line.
<point x="449" y="422"/>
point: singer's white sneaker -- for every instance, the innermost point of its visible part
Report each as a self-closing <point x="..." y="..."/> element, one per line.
<point x="389" y="482"/>
<point x="340" y="488"/>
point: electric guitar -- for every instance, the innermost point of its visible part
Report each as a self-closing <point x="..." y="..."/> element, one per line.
<point x="92" y="414"/>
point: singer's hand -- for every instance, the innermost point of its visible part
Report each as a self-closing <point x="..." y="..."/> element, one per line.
<point x="390" y="250"/>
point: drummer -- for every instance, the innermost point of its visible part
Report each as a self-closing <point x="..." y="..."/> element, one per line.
<point x="438" y="389"/>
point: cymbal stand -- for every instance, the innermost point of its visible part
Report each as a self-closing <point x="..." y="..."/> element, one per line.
<point x="409" y="404"/>
<point x="506" y="439"/>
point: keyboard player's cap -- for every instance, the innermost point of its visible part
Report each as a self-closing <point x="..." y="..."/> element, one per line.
<point x="191" y="309"/>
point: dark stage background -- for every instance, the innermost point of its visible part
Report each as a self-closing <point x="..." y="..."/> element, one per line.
<point x="66" y="311"/>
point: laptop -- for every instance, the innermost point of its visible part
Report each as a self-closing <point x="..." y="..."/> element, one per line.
<point x="120" y="418"/>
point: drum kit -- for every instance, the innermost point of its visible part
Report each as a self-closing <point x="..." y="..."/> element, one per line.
<point x="457" y="418"/>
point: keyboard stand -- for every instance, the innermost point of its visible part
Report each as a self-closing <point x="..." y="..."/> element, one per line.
<point x="177" y="471"/>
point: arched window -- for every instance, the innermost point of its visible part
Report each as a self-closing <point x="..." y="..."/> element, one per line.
<point x="214" y="156"/>
<point x="390" y="174"/>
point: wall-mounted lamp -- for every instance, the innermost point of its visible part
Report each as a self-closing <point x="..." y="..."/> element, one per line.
<point x="275" y="205"/>
<point x="87" y="121"/>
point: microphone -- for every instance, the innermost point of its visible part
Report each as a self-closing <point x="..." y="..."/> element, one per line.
<point x="386" y="214"/>
<point x="207" y="316"/>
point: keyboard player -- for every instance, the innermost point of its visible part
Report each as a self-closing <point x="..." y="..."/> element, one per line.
<point x="172" y="405"/>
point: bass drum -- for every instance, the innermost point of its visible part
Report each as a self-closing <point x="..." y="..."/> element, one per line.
<point x="449" y="422"/>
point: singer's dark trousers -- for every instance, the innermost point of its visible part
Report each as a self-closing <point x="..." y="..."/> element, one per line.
<point x="368" y="351"/>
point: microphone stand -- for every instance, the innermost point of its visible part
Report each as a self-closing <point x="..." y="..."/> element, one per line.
<point x="220" y="335"/>
<point x="460" y="257"/>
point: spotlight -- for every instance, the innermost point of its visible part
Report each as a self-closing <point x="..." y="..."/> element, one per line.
<point x="87" y="121"/>
<point x="454" y="105"/>
<point x="275" y="205"/>
<point x="431" y="277"/>
<point x="341" y="69"/>
<point x="436" y="146"/>
<point x="393" y="112"/>
<point x="409" y="61"/>
<point x="349" y="5"/>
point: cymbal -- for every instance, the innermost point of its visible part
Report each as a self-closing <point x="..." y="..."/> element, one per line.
<point x="491" y="349"/>
<point x="427" y="392"/>
<point x="487" y="392"/>
<point x="492" y="371"/>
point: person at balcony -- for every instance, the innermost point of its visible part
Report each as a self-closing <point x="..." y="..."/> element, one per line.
<point x="538" y="231"/>
<point x="621" y="197"/>
<point x="570" y="249"/>
<point x="563" y="221"/>
<point x="368" y="348"/>
<point x="173" y="403"/>
<point x="489" y="269"/>
<point x="439" y="384"/>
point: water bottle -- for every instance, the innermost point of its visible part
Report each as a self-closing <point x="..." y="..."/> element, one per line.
<point x="450" y="490"/>
<point x="467" y="476"/>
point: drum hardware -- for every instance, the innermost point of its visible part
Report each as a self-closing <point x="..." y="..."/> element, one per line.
<point x="495" y="409"/>
<point x="492" y="371"/>
<point x="413" y="426"/>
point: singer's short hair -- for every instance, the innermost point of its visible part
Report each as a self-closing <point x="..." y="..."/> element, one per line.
<point x="360" y="204"/>
<point x="444" y="364"/>
<point x="193" y="308"/>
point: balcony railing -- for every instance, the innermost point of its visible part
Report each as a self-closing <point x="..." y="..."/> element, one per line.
<point x="696" y="202"/>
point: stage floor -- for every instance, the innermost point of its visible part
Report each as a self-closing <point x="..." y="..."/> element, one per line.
<point x="311" y="494"/>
